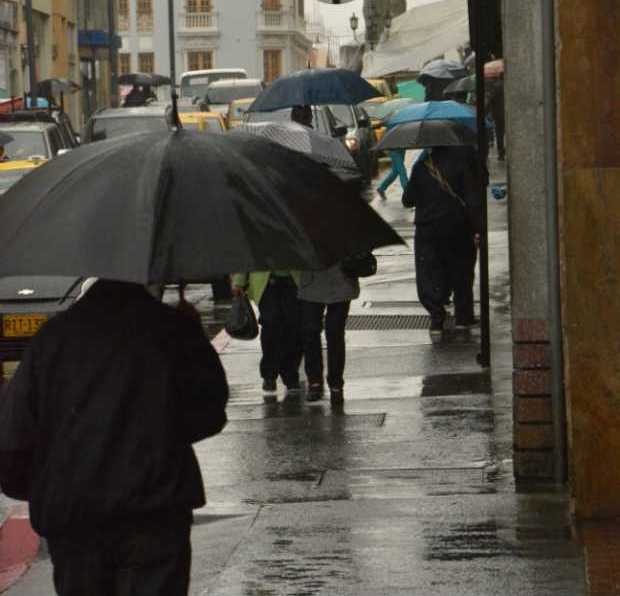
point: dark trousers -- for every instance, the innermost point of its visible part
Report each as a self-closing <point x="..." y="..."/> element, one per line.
<point x="145" y="560"/>
<point x="335" y="316"/>
<point x="279" y="311"/>
<point x="444" y="253"/>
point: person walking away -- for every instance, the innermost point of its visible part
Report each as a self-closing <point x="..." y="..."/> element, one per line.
<point x="325" y="302"/>
<point x="397" y="170"/>
<point x="96" y="429"/>
<point x="136" y="97"/>
<point x="275" y="294"/>
<point x="444" y="188"/>
<point x="302" y="115"/>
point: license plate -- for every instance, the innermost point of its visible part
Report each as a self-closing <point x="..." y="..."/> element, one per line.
<point x="21" y="325"/>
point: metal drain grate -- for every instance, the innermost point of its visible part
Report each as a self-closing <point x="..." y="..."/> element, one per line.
<point x="389" y="322"/>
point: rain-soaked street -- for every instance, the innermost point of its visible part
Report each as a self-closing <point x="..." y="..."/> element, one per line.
<point x="406" y="489"/>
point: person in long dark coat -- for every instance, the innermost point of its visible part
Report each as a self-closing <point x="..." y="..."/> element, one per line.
<point x="96" y="429"/>
<point x="444" y="188"/>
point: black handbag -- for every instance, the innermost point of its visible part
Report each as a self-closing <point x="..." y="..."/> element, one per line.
<point x="360" y="265"/>
<point x="241" y="322"/>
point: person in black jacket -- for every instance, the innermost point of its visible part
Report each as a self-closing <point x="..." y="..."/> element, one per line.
<point x="96" y="429"/>
<point x="444" y="188"/>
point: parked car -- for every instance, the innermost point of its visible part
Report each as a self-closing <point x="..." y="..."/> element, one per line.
<point x="26" y="303"/>
<point x="69" y="138"/>
<point x="194" y="83"/>
<point x="237" y="111"/>
<point x="221" y="93"/>
<point x="32" y="140"/>
<point x="114" y="122"/>
<point x="323" y="120"/>
<point x="360" y="138"/>
<point x="203" y="121"/>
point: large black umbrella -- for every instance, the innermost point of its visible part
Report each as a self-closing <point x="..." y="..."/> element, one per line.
<point x="144" y="78"/>
<point x="182" y="206"/>
<point x="321" y="86"/>
<point x="427" y="133"/>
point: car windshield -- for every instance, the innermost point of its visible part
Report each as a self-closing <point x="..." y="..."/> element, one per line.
<point x="108" y="128"/>
<point x="9" y="177"/>
<point x="24" y="144"/>
<point x="196" y="85"/>
<point x="344" y="115"/>
<point x="214" y="125"/>
<point x="229" y="94"/>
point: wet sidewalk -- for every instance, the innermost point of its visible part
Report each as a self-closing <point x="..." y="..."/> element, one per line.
<point x="405" y="490"/>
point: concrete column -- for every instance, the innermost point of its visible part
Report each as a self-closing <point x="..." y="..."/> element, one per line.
<point x="525" y="141"/>
<point x="589" y="178"/>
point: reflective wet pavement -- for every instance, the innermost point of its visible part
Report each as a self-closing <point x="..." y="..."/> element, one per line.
<point x="407" y="489"/>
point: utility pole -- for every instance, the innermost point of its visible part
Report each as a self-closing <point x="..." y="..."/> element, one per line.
<point x="32" y="67"/>
<point x="113" y="54"/>
<point x="171" y="36"/>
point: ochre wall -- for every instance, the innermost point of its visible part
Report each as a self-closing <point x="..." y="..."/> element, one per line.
<point x="589" y="176"/>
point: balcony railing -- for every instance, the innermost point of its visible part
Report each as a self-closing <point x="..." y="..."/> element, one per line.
<point x="280" y="20"/>
<point x="198" y="21"/>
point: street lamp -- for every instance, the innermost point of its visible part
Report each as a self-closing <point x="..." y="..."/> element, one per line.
<point x="354" y="22"/>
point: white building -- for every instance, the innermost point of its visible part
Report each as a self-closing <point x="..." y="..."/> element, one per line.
<point x="267" y="38"/>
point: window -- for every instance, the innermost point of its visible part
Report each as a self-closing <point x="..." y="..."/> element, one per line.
<point x="200" y="60"/>
<point x="123" y="15"/>
<point x="301" y="11"/>
<point x="199" y="6"/>
<point x="124" y="63"/>
<point x="146" y="62"/>
<point x="272" y="65"/>
<point x="145" y="15"/>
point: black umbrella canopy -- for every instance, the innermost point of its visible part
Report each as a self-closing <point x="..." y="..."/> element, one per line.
<point x="144" y="78"/>
<point x="182" y="206"/>
<point x="464" y="85"/>
<point x="427" y="133"/>
<point x="313" y="87"/>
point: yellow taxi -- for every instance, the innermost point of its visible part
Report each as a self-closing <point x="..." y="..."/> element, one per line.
<point x="373" y="108"/>
<point x="203" y="121"/>
<point x="237" y="110"/>
<point x="12" y="170"/>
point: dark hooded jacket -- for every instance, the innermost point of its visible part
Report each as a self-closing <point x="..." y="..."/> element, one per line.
<point x="434" y="205"/>
<point x="96" y="426"/>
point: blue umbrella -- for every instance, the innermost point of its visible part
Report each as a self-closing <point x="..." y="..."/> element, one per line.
<point x="314" y="87"/>
<point x="435" y="110"/>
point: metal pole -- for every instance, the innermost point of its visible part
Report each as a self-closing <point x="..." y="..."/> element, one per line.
<point x="113" y="54"/>
<point x="32" y="67"/>
<point x="484" y="358"/>
<point x="555" y="316"/>
<point x="171" y="37"/>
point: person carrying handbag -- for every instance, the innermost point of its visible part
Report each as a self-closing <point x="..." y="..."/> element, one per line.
<point x="275" y="294"/>
<point x="444" y="188"/>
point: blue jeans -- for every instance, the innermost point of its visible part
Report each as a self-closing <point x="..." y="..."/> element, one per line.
<point x="398" y="171"/>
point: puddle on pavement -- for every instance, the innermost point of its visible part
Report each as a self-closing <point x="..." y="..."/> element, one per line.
<point x="456" y="384"/>
<point x="466" y="542"/>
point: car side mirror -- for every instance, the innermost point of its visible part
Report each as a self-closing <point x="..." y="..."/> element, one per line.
<point x="63" y="152"/>
<point x="340" y="131"/>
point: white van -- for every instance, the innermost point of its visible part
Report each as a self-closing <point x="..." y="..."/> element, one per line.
<point x="194" y="83"/>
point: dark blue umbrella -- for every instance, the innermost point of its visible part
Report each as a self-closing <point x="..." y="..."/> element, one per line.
<point x="314" y="87"/>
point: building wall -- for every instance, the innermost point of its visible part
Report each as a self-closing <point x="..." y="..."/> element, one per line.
<point x="11" y="83"/>
<point x="589" y="175"/>
<point x="526" y="161"/>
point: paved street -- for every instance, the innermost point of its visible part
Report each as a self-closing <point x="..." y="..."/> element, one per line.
<point x="408" y="489"/>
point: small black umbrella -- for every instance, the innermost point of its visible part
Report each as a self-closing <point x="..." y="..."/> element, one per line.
<point x="182" y="206"/>
<point x="427" y="133"/>
<point x="464" y="85"/>
<point x="144" y="78"/>
<point x="313" y="87"/>
<point x="442" y="69"/>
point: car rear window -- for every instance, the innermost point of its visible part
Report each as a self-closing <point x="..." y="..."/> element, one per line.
<point x="24" y="144"/>
<point x="318" y="120"/>
<point x="229" y="94"/>
<point x="108" y="128"/>
<point x="344" y="115"/>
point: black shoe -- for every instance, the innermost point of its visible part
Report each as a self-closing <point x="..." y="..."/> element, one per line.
<point x="468" y="324"/>
<point x="269" y="386"/>
<point x="293" y="388"/>
<point x="315" y="392"/>
<point x="336" y="395"/>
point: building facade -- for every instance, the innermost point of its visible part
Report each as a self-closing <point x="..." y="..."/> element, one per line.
<point x="267" y="38"/>
<point x="10" y="54"/>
